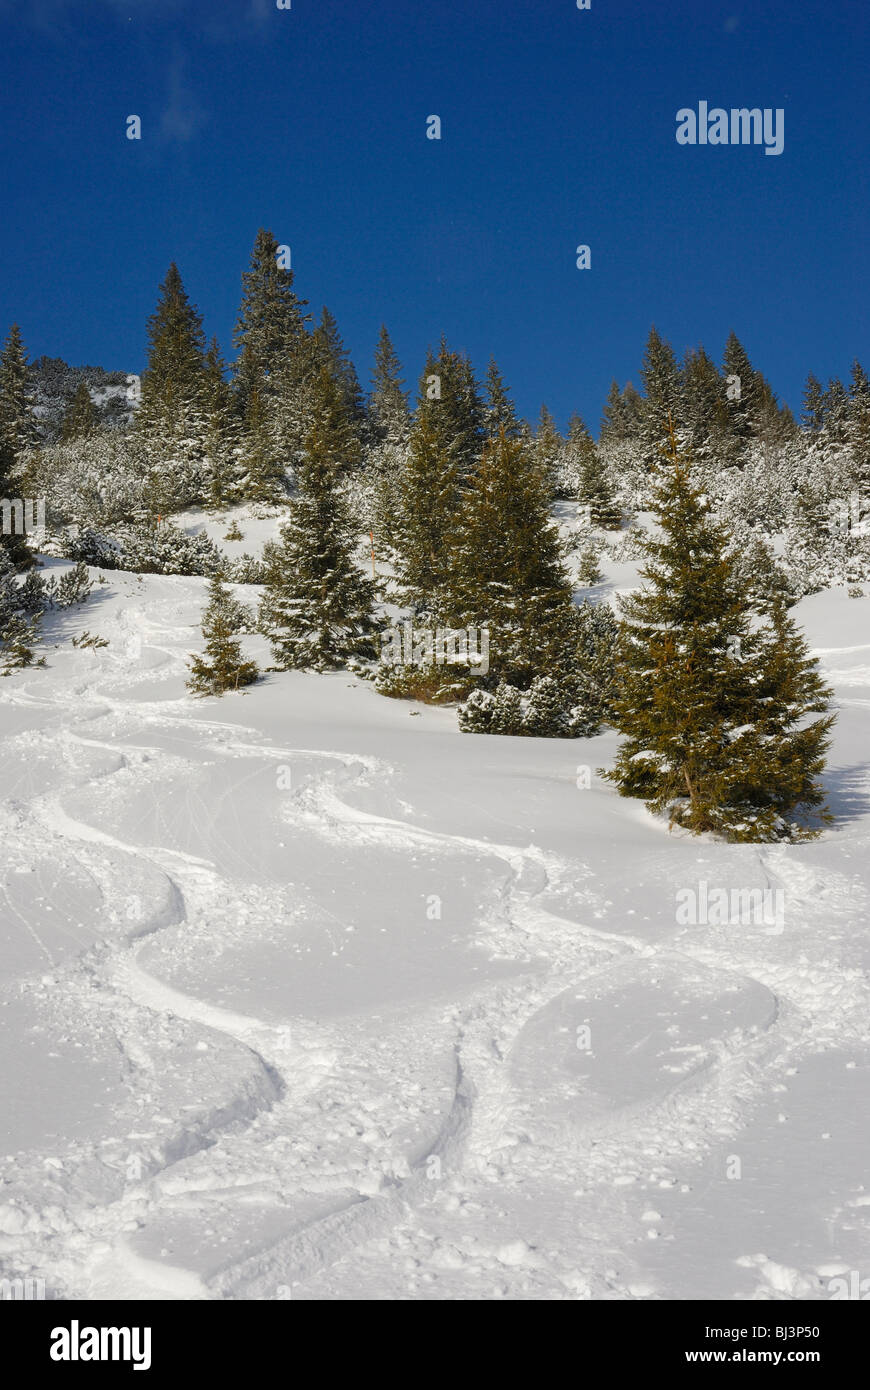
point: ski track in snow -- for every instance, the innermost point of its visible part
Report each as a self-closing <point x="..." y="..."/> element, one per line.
<point x="480" y="1136"/>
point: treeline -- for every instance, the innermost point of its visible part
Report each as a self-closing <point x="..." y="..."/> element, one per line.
<point x="475" y="521"/>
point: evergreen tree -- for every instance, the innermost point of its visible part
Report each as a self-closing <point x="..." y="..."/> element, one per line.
<point x="713" y="695"/>
<point x="705" y="405"/>
<point x="262" y="477"/>
<point x="335" y="356"/>
<point x="663" y="398"/>
<point x="80" y="418"/>
<point x="174" y="382"/>
<point x="622" y="419"/>
<point x="317" y="606"/>
<point x="858" y="432"/>
<point x="752" y="409"/>
<point x="271" y="324"/>
<point x="429" y="501"/>
<point x="17" y="421"/>
<point x="16" y="432"/>
<point x="223" y="668"/>
<point x="507" y="572"/>
<point x="837" y="411"/>
<point x="172" y="413"/>
<point x="593" y="486"/>
<point x="549" y="449"/>
<point x="20" y="615"/>
<point x="813" y="414"/>
<point x="443" y="448"/>
<point x="390" y="429"/>
<point x="223" y="433"/>
<point x="499" y="412"/>
<point x="449" y="401"/>
<point x="388" y="403"/>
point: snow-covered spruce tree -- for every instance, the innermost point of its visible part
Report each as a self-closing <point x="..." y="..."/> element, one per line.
<point x="858" y="433"/>
<point x="271" y="322"/>
<point x="428" y="491"/>
<point x="813" y="412"/>
<point x="21" y="607"/>
<point x="389" y="435"/>
<point x="507" y="577"/>
<point x="80" y="417"/>
<point x="17" y="434"/>
<point x="592" y="486"/>
<point x="663" y="395"/>
<point x="714" y="694"/>
<point x="172" y="413"/>
<point x="622" y="417"/>
<point x="222" y="435"/>
<point x="573" y="702"/>
<point x="262" y="476"/>
<point x="317" y="605"/>
<point x="507" y="573"/>
<point x="451" y="403"/>
<point x="621" y="445"/>
<point x="705" y="407"/>
<point x="337" y="358"/>
<point x="549" y="450"/>
<point x="499" y="412"/>
<point x="17" y="422"/>
<point x="223" y="667"/>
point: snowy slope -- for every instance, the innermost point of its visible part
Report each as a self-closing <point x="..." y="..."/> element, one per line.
<point x="295" y="986"/>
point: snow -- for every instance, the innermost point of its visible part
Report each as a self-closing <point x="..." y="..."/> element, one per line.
<point x="303" y="998"/>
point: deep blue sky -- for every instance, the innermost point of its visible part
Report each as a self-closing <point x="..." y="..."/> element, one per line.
<point x="558" y="128"/>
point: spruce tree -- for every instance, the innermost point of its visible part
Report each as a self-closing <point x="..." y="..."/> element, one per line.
<point x="813" y="414"/>
<point x="80" y="417"/>
<point x="450" y="402"/>
<point x="262" y="477"/>
<point x="17" y="421"/>
<point x="549" y="448"/>
<point x="713" y="694"/>
<point x="336" y="357"/>
<point x="622" y="418"/>
<point x="499" y="411"/>
<point x="223" y="434"/>
<point x="858" y="432"/>
<point x="172" y="414"/>
<point x="390" y="429"/>
<point x="174" y="382"/>
<point x="592" y="484"/>
<point x="388" y="402"/>
<point x="317" y="605"/>
<point x="663" y="398"/>
<point x="705" y="408"/>
<point x="836" y="408"/>
<point x="429" y="491"/>
<point x="507" y="573"/>
<point x="16" y="434"/>
<point x="223" y="667"/>
<point x="21" y="608"/>
<point x="271" y="324"/>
